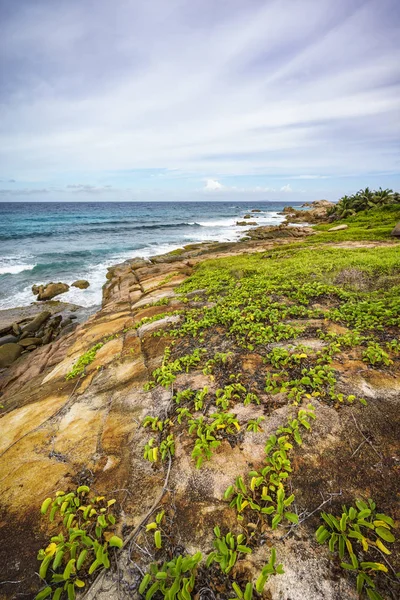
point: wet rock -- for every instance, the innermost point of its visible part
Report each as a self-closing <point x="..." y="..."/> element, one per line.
<point x="9" y="353"/>
<point x="30" y="341"/>
<point x="49" y="291"/>
<point x="8" y="339"/>
<point x="396" y="231"/>
<point x="339" y="227"/>
<point x="246" y="223"/>
<point x="256" y="210"/>
<point x="82" y="284"/>
<point x="37" y="322"/>
<point x="247" y="217"/>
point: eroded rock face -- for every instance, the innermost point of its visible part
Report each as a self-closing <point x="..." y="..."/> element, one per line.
<point x="50" y="290"/>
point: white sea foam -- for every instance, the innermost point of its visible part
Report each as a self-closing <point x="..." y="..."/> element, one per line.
<point x="14" y="269"/>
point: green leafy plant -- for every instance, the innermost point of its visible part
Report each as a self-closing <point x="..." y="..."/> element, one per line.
<point x="358" y="530"/>
<point x="173" y="579"/>
<point x="254" y="424"/>
<point x="156" y="527"/>
<point x="82" y="544"/>
<point x="376" y="355"/>
<point x="227" y="550"/>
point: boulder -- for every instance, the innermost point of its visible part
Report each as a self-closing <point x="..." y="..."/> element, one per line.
<point x="339" y="227"/>
<point x="9" y="353"/>
<point x="396" y="231"/>
<point x="247" y="217"/>
<point x="82" y="284"/>
<point x="49" y="291"/>
<point x="256" y="210"/>
<point x="37" y="322"/>
<point x="245" y="223"/>
<point x="8" y="339"/>
<point x="30" y="341"/>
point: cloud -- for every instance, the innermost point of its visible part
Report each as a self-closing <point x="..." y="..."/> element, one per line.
<point x="24" y="192"/>
<point x="210" y="89"/>
<point x="84" y="188"/>
<point x="212" y="185"/>
<point x="286" y="188"/>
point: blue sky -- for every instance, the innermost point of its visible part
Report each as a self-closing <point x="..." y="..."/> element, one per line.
<point x="198" y="99"/>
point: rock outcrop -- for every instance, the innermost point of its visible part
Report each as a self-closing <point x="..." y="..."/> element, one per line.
<point x="316" y="212"/>
<point x="273" y="232"/>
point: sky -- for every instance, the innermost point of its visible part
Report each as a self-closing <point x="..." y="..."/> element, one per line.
<point x="198" y="99"/>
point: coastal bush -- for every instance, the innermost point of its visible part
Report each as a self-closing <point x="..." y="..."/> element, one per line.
<point x="363" y="200"/>
<point x="82" y="545"/>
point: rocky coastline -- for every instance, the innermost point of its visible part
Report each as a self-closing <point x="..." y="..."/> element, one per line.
<point x="87" y="429"/>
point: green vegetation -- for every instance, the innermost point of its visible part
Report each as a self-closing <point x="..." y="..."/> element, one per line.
<point x="373" y="224"/>
<point x="261" y="308"/>
<point x="227" y="550"/>
<point x="262" y="304"/>
<point x="363" y="200"/>
<point x="82" y="544"/>
<point x="83" y="361"/>
<point x="173" y="579"/>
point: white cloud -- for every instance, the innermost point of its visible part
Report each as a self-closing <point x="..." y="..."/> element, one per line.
<point x="286" y="188"/>
<point x="212" y="185"/>
<point x="248" y="88"/>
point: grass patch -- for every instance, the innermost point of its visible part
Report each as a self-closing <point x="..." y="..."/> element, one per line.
<point x="374" y="224"/>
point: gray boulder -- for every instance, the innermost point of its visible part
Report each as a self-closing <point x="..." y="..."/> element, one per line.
<point x="396" y="231"/>
<point x="37" y="322"/>
<point x="8" y="339"/>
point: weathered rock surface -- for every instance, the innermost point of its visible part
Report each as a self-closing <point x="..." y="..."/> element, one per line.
<point x="246" y="223"/>
<point x="50" y="290"/>
<point x="82" y="284"/>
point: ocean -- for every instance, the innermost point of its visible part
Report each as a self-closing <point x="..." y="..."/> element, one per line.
<point x="59" y="241"/>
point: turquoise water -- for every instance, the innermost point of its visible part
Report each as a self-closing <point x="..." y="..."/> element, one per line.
<point x="41" y="242"/>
